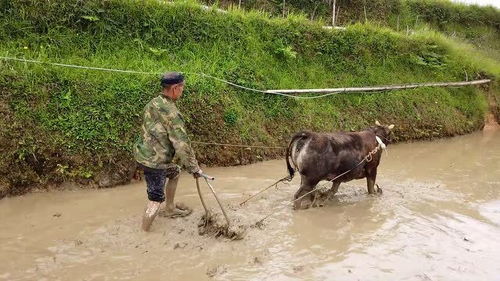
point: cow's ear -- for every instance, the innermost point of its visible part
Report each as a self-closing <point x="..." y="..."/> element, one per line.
<point x="391" y="127"/>
<point x="377" y="123"/>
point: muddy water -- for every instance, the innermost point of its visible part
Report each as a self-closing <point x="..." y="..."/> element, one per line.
<point x="437" y="219"/>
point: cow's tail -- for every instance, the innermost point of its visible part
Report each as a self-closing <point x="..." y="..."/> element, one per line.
<point x="291" y="170"/>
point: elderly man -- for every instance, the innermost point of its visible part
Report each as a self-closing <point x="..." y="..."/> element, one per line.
<point x="163" y="136"/>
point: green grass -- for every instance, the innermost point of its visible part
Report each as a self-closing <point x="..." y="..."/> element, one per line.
<point x="477" y="25"/>
<point x="65" y="124"/>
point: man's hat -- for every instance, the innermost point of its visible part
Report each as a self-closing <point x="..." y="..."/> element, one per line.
<point x="171" y="78"/>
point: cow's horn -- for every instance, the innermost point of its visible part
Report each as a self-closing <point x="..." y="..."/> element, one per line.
<point x="377" y="123"/>
<point x="391" y="126"/>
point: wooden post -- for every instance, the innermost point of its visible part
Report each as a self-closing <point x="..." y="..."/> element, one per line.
<point x="338" y="12"/>
<point x="333" y="12"/>
<point x="284" y="3"/>
<point x="364" y="8"/>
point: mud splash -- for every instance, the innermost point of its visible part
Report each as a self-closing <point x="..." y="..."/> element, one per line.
<point x="213" y="224"/>
<point x="437" y="219"/>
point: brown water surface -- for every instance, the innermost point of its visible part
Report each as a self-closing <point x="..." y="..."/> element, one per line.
<point x="437" y="219"/>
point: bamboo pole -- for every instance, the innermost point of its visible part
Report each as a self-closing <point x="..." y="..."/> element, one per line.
<point x="379" y="88"/>
<point x="201" y="197"/>
<point x="218" y="202"/>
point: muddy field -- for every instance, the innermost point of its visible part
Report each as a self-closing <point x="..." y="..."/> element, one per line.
<point x="437" y="219"/>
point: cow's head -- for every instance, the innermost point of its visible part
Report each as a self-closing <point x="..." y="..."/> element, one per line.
<point x="384" y="132"/>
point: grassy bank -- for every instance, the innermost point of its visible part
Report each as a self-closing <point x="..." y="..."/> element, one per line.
<point x="62" y="124"/>
<point x="477" y="25"/>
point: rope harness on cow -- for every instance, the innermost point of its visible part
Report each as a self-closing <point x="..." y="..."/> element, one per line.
<point x="275" y="184"/>
<point x="368" y="158"/>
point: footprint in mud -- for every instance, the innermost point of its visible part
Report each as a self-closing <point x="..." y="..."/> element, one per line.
<point x="216" y="270"/>
<point x="298" y="268"/>
<point x="256" y="260"/>
<point x="180" y="245"/>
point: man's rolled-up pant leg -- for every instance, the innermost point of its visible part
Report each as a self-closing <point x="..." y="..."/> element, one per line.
<point x="155" y="181"/>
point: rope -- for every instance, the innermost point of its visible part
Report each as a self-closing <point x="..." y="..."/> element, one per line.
<point x="237" y="145"/>
<point x="275" y="184"/>
<point x="284" y="93"/>
<point x="146" y="73"/>
<point x="78" y="66"/>
<point x="247" y="88"/>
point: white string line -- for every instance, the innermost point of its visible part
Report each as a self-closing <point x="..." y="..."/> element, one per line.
<point x="78" y="66"/>
<point x="285" y="93"/>
<point x="140" y="72"/>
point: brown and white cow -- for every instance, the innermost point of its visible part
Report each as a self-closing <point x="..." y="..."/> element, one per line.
<point x="324" y="156"/>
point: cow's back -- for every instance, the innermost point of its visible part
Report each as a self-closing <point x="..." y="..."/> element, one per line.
<point x="326" y="155"/>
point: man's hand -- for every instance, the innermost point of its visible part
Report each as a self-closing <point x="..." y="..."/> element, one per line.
<point x="198" y="174"/>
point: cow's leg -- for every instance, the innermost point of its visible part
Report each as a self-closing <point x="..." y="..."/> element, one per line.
<point x="333" y="190"/>
<point x="371" y="175"/>
<point x="306" y="186"/>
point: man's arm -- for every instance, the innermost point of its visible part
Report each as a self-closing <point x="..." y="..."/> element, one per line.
<point x="180" y="140"/>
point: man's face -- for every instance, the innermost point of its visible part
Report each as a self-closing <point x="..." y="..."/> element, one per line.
<point x="176" y="91"/>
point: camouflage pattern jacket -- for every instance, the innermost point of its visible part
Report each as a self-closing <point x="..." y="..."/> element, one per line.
<point x="163" y="137"/>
